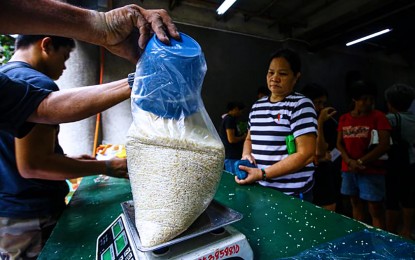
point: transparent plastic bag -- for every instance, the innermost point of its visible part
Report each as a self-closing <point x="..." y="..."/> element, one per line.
<point x="175" y="156"/>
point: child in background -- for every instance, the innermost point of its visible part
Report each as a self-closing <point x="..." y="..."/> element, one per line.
<point x="231" y="135"/>
<point x="363" y="174"/>
<point x="325" y="190"/>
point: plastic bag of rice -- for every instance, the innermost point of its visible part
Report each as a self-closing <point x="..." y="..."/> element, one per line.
<point x="175" y="156"/>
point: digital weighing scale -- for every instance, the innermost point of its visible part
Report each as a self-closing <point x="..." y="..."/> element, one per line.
<point x="209" y="237"/>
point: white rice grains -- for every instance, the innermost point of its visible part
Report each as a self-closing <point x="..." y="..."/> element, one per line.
<point x="172" y="181"/>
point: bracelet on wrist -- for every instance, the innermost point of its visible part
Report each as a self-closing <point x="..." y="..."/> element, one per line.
<point x="359" y="161"/>
<point x="264" y="175"/>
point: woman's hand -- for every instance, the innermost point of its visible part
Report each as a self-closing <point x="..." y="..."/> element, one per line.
<point x="254" y="174"/>
<point x="249" y="157"/>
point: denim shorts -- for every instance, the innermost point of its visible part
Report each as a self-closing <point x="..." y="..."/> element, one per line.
<point x="370" y="187"/>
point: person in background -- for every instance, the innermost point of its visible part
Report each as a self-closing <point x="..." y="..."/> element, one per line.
<point x="262" y="92"/>
<point x="324" y="190"/>
<point x="282" y="163"/>
<point x="400" y="179"/>
<point x="34" y="168"/>
<point x="363" y="174"/>
<point x="232" y="137"/>
<point x="116" y="30"/>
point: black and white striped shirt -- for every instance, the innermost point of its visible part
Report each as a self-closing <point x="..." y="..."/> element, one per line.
<point x="269" y="124"/>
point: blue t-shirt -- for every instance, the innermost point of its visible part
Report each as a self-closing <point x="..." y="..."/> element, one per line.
<point x="19" y="100"/>
<point x="20" y="197"/>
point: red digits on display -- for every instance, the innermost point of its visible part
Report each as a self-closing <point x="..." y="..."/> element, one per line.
<point x="219" y="254"/>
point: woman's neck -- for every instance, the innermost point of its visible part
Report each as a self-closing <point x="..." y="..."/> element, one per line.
<point x="276" y="98"/>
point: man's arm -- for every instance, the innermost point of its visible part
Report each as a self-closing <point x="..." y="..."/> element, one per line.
<point x="116" y="30"/>
<point x="70" y="105"/>
<point x="36" y="159"/>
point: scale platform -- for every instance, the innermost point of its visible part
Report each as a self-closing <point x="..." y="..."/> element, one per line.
<point x="209" y="237"/>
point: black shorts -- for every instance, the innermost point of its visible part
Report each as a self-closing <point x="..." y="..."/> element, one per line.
<point x="324" y="190"/>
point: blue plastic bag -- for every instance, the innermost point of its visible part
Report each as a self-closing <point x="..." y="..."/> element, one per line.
<point x="168" y="78"/>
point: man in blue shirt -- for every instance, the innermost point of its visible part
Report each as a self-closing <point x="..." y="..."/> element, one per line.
<point x="33" y="169"/>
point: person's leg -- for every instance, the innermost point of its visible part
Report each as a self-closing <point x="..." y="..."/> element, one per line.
<point x="392" y="220"/>
<point x="377" y="213"/>
<point x="324" y="192"/>
<point x="372" y="189"/>
<point x="349" y="187"/>
<point x="392" y="194"/>
<point x="358" y="208"/>
<point x="17" y="236"/>
<point x="24" y="238"/>
<point x="408" y="215"/>
<point x="331" y="207"/>
<point x="407" y="199"/>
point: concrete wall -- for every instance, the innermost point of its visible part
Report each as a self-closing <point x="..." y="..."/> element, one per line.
<point x="82" y="70"/>
<point x="237" y="66"/>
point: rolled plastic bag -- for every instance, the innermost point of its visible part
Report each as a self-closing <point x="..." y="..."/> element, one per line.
<point x="175" y="156"/>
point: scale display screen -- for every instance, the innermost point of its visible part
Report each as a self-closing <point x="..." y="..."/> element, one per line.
<point x="113" y="243"/>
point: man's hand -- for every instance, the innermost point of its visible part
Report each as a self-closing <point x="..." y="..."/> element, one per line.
<point x="85" y="157"/>
<point x="117" y="168"/>
<point x="128" y="29"/>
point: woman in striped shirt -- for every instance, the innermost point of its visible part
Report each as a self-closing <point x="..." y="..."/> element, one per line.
<point x="282" y="164"/>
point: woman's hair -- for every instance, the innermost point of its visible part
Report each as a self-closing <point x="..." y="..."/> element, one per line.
<point x="24" y="41"/>
<point x="400" y="96"/>
<point x="313" y="91"/>
<point x="290" y="56"/>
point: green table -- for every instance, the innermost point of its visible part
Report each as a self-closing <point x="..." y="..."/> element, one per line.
<point x="275" y="225"/>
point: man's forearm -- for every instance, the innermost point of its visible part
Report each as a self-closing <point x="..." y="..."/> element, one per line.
<point x="48" y="17"/>
<point x="75" y="104"/>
